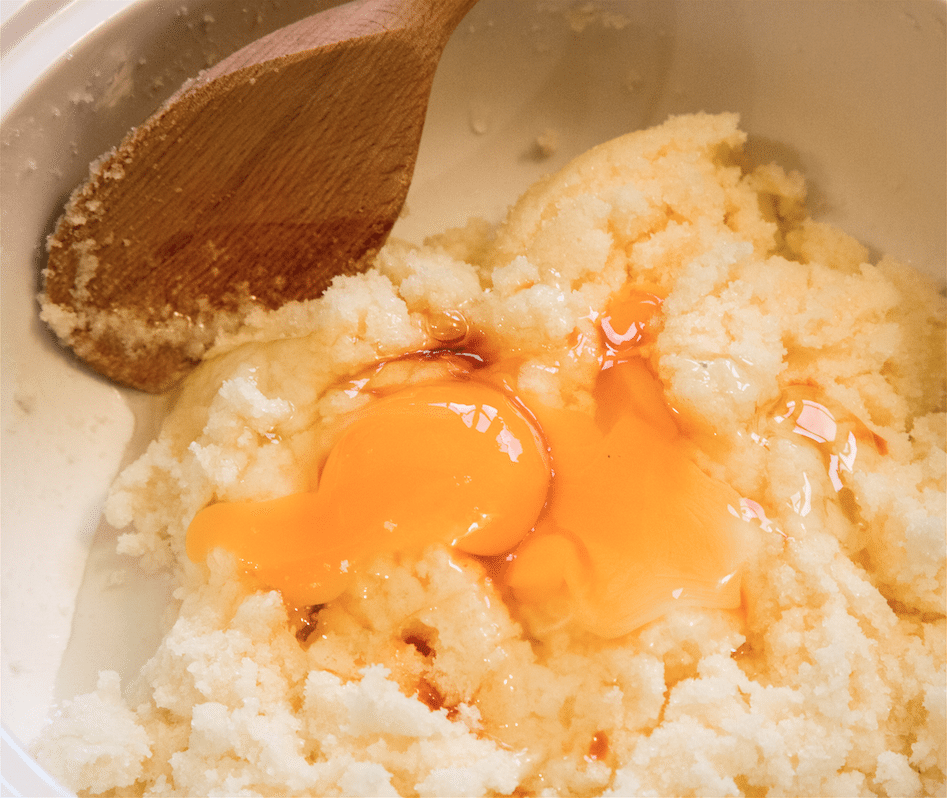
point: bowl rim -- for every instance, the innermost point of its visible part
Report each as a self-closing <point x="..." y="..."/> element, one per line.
<point x="22" y="64"/>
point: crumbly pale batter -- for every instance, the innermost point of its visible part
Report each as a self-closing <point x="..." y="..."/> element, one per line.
<point x="810" y="381"/>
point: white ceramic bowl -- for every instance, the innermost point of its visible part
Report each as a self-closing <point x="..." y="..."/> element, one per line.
<point x="853" y="94"/>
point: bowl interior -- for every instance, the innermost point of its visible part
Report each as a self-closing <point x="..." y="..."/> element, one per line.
<point x="854" y="97"/>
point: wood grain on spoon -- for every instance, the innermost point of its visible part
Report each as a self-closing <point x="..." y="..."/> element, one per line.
<point x="276" y="170"/>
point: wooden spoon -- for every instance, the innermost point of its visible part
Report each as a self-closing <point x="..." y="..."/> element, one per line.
<point x="281" y="167"/>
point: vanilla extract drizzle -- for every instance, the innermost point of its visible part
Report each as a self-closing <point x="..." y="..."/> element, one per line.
<point x="806" y="416"/>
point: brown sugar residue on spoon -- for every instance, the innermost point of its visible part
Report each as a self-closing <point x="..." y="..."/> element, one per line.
<point x="278" y="169"/>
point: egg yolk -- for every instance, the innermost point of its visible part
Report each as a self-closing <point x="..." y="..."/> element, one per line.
<point x="607" y="510"/>
<point x="453" y="462"/>
<point x="628" y="319"/>
<point x="634" y="528"/>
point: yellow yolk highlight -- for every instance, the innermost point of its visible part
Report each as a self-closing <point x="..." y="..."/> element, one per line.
<point x="452" y="462"/>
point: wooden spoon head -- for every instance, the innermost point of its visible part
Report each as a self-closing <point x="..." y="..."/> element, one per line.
<point x="255" y="186"/>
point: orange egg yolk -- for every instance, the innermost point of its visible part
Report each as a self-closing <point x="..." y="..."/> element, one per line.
<point x="634" y="528"/>
<point x="453" y="462"/>
<point x="609" y="510"/>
